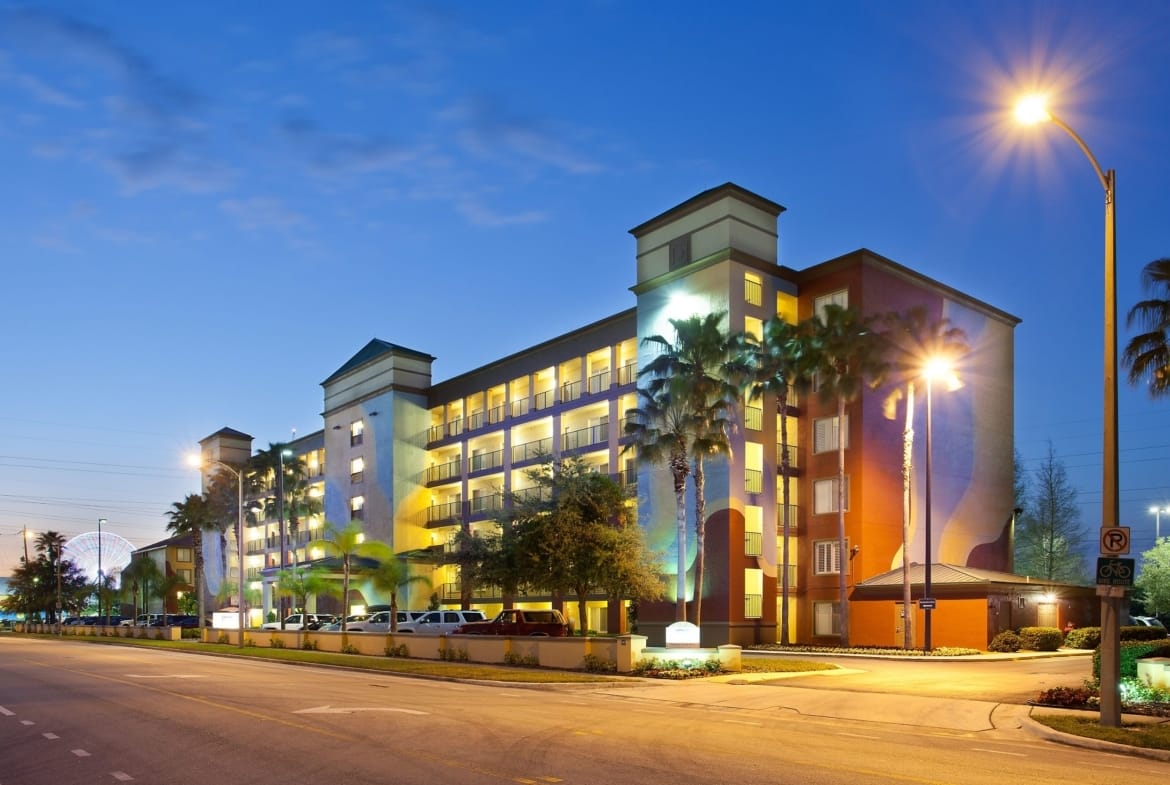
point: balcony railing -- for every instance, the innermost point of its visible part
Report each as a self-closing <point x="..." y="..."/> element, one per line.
<point x="628" y="373"/>
<point x="537" y="493"/>
<point x="571" y="391"/>
<point x="520" y="407"/>
<point x="475" y="420"/>
<point x="753" y="544"/>
<point x="753" y="418"/>
<point x="793" y="456"/>
<point x="485" y="505"/>
<point x="792" y="573"/>
<point x="793" y="517"/>
<point x="585" y="437"/>
<point x="485" y="460"/>
<point x="599" y="382"/>
<point x="753" y="291"/>
<point x="530" y="451"/>
<point x="455" y="427"/>
<point x="435" y="433"/>
<point x="440" y="513"/>
<point x="753" y="606"/>
<point x="495" y="414"/>
<point x="543" y="400"/>
<point x="451" y="591"/>
<point x="443" y="471"/>
<point x="753" y="480"/>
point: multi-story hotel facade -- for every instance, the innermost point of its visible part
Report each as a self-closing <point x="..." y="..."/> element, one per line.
<point x="416" y="459"/>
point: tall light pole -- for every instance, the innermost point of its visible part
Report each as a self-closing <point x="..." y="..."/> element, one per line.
<point x="1031" y="110"/>
<point x="239" y="475"/>
<point x="284" y="452"/>
<point x="101" y="577"/>
<point x="937" y="369"/>
<point x="1157" y="512"/>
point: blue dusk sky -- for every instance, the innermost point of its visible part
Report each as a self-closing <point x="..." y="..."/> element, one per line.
<point x="209" y="207"/>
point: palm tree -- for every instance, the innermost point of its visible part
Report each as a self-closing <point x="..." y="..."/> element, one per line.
<point x="348" y="544"/>
<point x="692" y="369"/>
<point x="775" y="364"/>
<point x="661" y="430"/>
<point x="140" y="575"/>
<point x="1147" y="355"/>
<point x="298" y="583"/>
<point x="911" y="342"/>
<point x="847" y="355"/>
<point x="50" y="544"/>
<point x="391" y="574"/>
<point x="192" y="516"/>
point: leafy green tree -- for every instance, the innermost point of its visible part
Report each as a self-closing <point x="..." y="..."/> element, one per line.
<point x="774" y="365"/>
<point x="848" y="356"/>
<point x="193" y="516"/>
<point x="300" y="583"/>
<point x="579" y="541"/>
<point x="140" y="579"/>
<point x="348" y="544"/>
<point x="1147" y="355"/>
<point x="391" y="574"/>
<point x="692" y="369"/>
<point x="1153" y="580"/>
<point x="1049" y="533"/>
<point x="222" y="496"/>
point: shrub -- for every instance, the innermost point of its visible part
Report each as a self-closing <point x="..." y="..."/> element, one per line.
<point x="309" y="644"/>
<point x="275" y="642"/>
<point x="349" y="648"/>
<point x="1130" y="653"/>
<point x="397" y="651"/>
<point x="529" y="661"/>
<point x="595" y="664"/>
<point x="1140" y="632"/>
<point x="452" y="654"/>
<point x="1083" y="638"/>
<point x="1067" y="697"/>
<point x="1041" y="638"/>
<point x="223" y="638"/>
<point x="1005" y="641"/>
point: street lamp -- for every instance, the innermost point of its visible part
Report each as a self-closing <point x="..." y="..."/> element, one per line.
<point x="1157" y="512"/>
<point x="101" y="581"/>
<point x="937" y="368"/>
<point x="284" y="453"/>
<point x="1031" y="110"/>
<point x="239" y="475"/>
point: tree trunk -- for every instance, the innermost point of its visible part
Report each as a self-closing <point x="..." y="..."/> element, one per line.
<point x="700" y="536"/>
<point x="680" y="500"/>
<point x="843" y="554"/>
<point x="785" y="479"/>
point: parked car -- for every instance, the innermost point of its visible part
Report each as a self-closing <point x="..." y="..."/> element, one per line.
<point x="1147" y="621"/>
<point x="545" y="623"/>
<point x="441" y="622"/>
<point x="352" y="619"/>
<point x="380" y="621"/>
<point x="142" y="620"/>
<point x="296" y="621"/>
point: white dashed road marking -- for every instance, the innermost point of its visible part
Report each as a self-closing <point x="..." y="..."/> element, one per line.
<point x="80" y="753"/>
<point x="50" y="735"/>
<point x="121" y="776"/>
<point x="27" y="722"/>
<point x="6" y="712"/>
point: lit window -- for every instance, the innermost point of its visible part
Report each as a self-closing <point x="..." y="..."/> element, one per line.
<point x="356" y="468"/>
<point x="184" y="576"/>
<point x="183" y="554"/>
<point x="753" y="327"/>
<point x="357" y="508"/>
<point x="839" y="298"/>
<point x="825" y="496"/>
<point x="753" y="289"/>
<point x="356" y="429"/>
<point x="826" y="618"/>
<point x="826" y="434"/>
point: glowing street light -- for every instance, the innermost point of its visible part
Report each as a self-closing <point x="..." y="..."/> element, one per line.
<point x="1157" y="512"/>
<point x="936" y="369"/>
<point x="239" y="475"/>
<point x="1031" y="110"/>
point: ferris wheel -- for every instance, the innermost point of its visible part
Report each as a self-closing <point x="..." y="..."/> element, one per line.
<point x="83" y="550"/>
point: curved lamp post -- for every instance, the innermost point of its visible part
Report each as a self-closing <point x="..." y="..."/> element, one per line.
<point x="1031" y="110"/>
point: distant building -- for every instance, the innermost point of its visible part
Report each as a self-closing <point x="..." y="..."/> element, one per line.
<point x="416" y="460"/>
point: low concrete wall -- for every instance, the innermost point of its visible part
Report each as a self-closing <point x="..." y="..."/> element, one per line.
<point x="622" y="653"/>
<point x="102" y="631"/>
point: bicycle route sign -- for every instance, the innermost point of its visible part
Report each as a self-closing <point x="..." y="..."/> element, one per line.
<point x="1114" y="572"/>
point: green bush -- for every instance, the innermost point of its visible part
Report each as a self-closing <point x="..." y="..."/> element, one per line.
<point x="1005" y="641"/>
<point x="1083" y="638"/>
<point x="1129" y="654"/>
<point x="595" y="664"/>
<point x="309" y="645"/>
<point x="1139" y="632"/>
<point x="397" y="651"/>
<point x="1041" y="638"/>
<point x="527" y="661"/>
<point x="350" y="649"/>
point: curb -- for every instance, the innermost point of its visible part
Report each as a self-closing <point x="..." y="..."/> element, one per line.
<point x="1032" y="726"/>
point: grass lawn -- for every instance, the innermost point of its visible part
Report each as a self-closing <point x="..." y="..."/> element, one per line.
<point x="775" y="665"/>
<point x="1154" y="735"/>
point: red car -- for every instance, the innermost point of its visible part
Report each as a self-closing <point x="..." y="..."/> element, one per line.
<point x="545" y="623"/>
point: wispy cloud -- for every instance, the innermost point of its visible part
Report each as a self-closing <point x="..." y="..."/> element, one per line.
<point x="331" y="153"/>
<point x="480" y="214"/>
<point x="262" y="213"/>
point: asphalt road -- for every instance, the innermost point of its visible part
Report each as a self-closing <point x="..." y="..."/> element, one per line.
<point x="77" y="712"/>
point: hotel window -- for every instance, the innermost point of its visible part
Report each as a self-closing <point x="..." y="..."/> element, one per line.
<point x="839" y="298"/>
<point x="357" y="468"/>
<point x="825" y="496"/>
<point x="183" y="554"/>
<point x="356" y="429"/>
<point x="184" y="575"/>
<point x="826" y="618"/>
<point x="826" y="434"/>
<point x="826" y="557"/>
<point x="680" y="252"/>
<point x="753" y="289"/>
<point x="357" y="508"/>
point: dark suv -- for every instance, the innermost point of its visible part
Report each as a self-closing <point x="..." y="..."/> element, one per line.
<point x="545" y="623"/>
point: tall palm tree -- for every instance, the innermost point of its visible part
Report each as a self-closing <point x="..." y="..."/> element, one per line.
<point x="692" y="368"/>
<point x="348" y="544"/>
<point x="1147" y="355"/>
<point x="911" y="341"/>
<point x="391" y="574"/>
<point x="142" y="575"/>
<point x="50" y="543"/>
<point x="774" y="365"/>
<point x="848" y="356"/>
<point x="191" y="516"/>
<point x="661" y="430"/>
